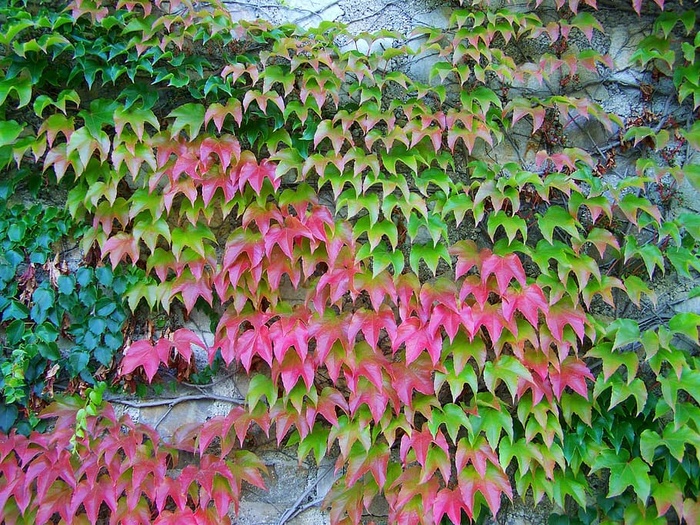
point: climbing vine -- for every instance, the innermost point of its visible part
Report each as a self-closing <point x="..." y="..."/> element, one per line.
<point x="460" y="330"/>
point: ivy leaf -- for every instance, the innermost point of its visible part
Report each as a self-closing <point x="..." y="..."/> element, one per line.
<point x="504" y="268"/>
<point x="507" y="369"/>
<point x="9" y="131"/>
<point x="492" y="487"/>
<point x="85" y="143"/>
<point x="624" y="473"/>
<point x="626" y="332"/>
<point x="188" y="116"/>
<point x="450" y="502"/>
<point x="430" y="254"/>
<point x="686" y="323"/>
<point x="143" y="353"/>
<point x="119" y="246"/>
<point x="260" y="385"/>
<point x="572" y="372"/>
<point x="136" y="118"/>
<point x="558" y="217"/>
<point x="510" y="224"/>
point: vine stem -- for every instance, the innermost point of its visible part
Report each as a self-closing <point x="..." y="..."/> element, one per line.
<point x="171" y="402"/>
<point x="297" y="508"/>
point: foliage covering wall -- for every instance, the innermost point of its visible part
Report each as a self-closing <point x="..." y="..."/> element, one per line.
<point x="468" y="331"/>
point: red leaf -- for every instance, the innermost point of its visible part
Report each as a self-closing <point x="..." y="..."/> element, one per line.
<point x="492" y="486"/>
<point x="254" y="342"/>
<point x="339" y="281"/>
<point x="477" y="454"/>
<point x="285" y="236"/>
<point x="255" y="174"/>
<point x="192" y="289"/>
<point x="326" y="331"/>
<point x="226" y="147"/>
<point x="444" y="317"/>
<point x="417" y="338"/>
<point x="291" y="369"/>
<point x="504" y="268"/>
<point x="560" y="315"/>
<point x="449" y="502"/>
<point x="328" y="402"/>
<point x="527" y="301"/>
<point x="371" y="323"/>
<point x="183" y="340"/>
<point x="572" y="373"/>
<point x="376" y="399"/>
<point x="140" y="353"/>
<point x="291" y="331"/>
<point x="120" y="245"/>
<point x="468" y="257"/>
<point x="490" y="317"/>
<point x="418" y="377"/>
<point x="378" y="288"/>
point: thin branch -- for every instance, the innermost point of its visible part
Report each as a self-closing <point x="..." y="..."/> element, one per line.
<point x="171" y="402"/>
<point x="297" y="508"/>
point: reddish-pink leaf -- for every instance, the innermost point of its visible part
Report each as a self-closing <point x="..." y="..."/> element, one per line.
<point x="120" y="245"/>
<point x="449" y="502"/>
<point x="192" y="289"/>
<point x="183" y="340"/>
<point x="504" y="268"/>
<point x="291" y="368"/>
<point x="527" y="301"/>
<point x="255" y="174"/>
<point x="290" y="331"/>
<point x="371" y="323"/>
<point x="560" y="315"/>
<point x="376" y="399"/>
<point x="573" y="373"/>
<point x="326" y="331"/>
<point x="468" y="257"/>
<point x="417" y="338"/>
<point x="492" y="487"/>
<point x="418" y="377"/>
<point x="254" y="342"/>
<point x="328" y="402"/>
<point x="140" y="353"/>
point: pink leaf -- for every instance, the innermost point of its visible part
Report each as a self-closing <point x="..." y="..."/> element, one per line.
<point x="120" y="245"/>
<point x="140" y="353"/>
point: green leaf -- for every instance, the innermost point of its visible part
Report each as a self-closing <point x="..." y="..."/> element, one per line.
<point x="47" y="332"/>
<point x="43" y="300"/>
<point x="8" y="416"/>
<point x="510" y="224"/>
<point x="454" y="418"/>
<point x="636" y="287"/>
<point x="430" y="254"/>
<point x="557" y="217"/>
<point x="15" y="332"/>
<point x="65" y="284"/>
<point x="77" y="362"/>
<point x="188" y="116"/>
<point x="260" y="385"/>
<point x="507" y="369"/>
<point x="9" y="131"/>
<point x="99" y="115"/>
<point x="624" y="473"/>
<point x="686" y="323"/>
<point x="315" y="441"/>
<point x="22" y="88"/>
<point x="626" y="331"/>
<point x="457" y="381"/>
